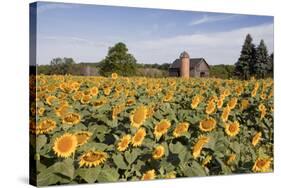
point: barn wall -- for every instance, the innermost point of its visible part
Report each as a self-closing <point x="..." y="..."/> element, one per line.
<point x="202" y="67"/>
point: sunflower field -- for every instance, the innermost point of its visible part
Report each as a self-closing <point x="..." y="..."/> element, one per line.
<point x="98" y="129"/>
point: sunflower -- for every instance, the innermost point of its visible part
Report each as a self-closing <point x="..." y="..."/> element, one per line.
<point x="161" y="128"/>
<point x="87" y="92"/>
<point x="208" y="124"/>
<point x="261" y="107"/>
<point x="207" y="160"/>
<point x="130" y="102"/>
<point x="158" y="152"/>
<point x="75" y="86"/>
<point x="226" y="92"/>
<point x="195" y="102"/>
<point x="71" y="118"/>
<point x="65" y="145"/>
<point x="41" y="111"/>
<point x="262" y="165"/>
<point x="232" y="129"/>
<point x="99" y="102"/>
<point x="138" y="116"/>
<point x="50" y="100"/>
<point x="199" y="145"/>
<point x="77" y="96"/>
<point x="114" y="76"/>
<point x="106" y="91"/>
<point x="220" y="103"/>
<point x="256" y="138"/>
<point x="62" y="110"/>
<point x="170" y="175"/>
<point x="180" y="129"/>
<point x="92" y="158"/>
<point x="239" y="90"/>
<point x="232" y="103"/>
<point x="116" y="110"/>
<point x="94" y="91"/>
<point x="210" y="108"/>
<point x="225" y="114"/>
<point x="244" y="104"/>
<point x="45" y="126"/>
<point x="262" y="110"/>
<point x="263" y="96"/>
<point x="149" y="175"/>
<point x="168" y="97"/>
<point x="231" y="159"/>
<point x="150" y="111"/>
<point x="66" y="87"/>
<point x="138" y="137"/>
<point x="263" y="113"/>
<point x="254" y="93"/>
<point x="124" y="143"/>
<point x="85" y="99"/>
<point x="82" y="137"/>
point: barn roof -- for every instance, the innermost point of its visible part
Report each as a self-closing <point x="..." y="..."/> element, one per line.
<point x="193" y="62"/>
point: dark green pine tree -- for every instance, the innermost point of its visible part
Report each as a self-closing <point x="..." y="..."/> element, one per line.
<point x="271" y="60"/>
<point x="118" y="60"/>
<point x="244" y="65"/>
<point x="262" y="65"/>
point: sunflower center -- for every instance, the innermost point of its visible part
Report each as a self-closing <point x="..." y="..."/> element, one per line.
<point x="71" y="118"/>
<point x="158" y="152"/>
<point x="139" y="115"/>
<point x="207" y="124"/>
<point x="92" y="157"/>
<point x="138" y="137"/>
<point x="81" y="138"/>
<point x="65" y="144"/>
<point x="232" y="128"/>
<point x="162" y="127"/>
<point x="261" y="163"/>
<point x="124" y="143"/>
<point x="180" y="129"/>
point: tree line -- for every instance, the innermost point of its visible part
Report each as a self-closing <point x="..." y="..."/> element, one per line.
<point x="117" y="60"/>
<point x="253" y="61"/>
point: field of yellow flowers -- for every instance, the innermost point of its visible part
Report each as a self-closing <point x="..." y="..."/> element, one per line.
<point x="97" y="129"/>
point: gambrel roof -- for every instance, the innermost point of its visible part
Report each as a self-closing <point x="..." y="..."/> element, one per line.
<point x="193" y="63"/>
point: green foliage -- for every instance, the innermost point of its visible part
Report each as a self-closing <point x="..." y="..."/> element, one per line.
<point x="222" y="71"/>
<point x="244" y="65"/>
<point x="90" y="175"/>
<point x="62" y="172"/>
<point x="118" y="60"/>
<point x="178" y="156"/>
<point x="254" y="61"/>
<point x="262" y="65"/>
<point x="119" y="161"/>
<point x="62" y="66"/>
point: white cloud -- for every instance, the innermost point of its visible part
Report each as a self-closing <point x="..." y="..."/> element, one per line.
<point x="80" y="49"/>
<point x="216" y="48"/>
<point x="209" y="19"/>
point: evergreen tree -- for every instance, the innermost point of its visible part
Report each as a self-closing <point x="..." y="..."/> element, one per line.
<point x="271" y="60"/>
<point x="244" y="65"/>
<point x="118" y="60"/>
<point x="262" y="65"/>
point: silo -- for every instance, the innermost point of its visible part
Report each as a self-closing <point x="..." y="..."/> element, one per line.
<point x="184" y="65"/>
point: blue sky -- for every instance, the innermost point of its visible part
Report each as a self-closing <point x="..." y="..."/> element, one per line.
<point x="84" y="32"/>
